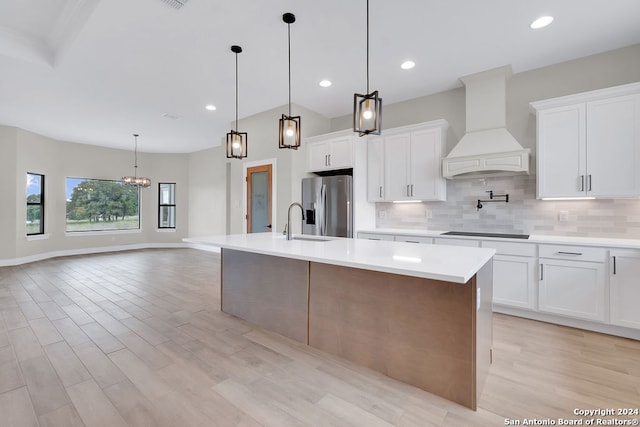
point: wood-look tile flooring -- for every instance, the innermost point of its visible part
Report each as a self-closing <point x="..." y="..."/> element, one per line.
<point x="137" y="338"/>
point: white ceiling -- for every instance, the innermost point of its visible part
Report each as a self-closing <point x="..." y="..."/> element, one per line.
<point x="96" y="71"/>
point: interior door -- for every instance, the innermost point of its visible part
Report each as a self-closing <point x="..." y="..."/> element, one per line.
<point x="259" y="199"/>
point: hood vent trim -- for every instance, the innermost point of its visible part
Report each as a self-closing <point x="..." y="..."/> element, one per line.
<point x="487" y="148"/>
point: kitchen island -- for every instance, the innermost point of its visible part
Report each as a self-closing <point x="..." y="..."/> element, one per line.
<point x="418" y="313"/>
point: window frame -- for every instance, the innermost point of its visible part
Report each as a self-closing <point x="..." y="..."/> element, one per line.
<point x="40" y="204"/>
<point x="168" y="205"/>
<point x="98" y="231"/>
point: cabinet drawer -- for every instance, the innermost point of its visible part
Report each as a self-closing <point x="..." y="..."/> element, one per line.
<point x="414" y="239"/>
<point x="575" y="253"/>
<point x="511" y="248"/>
<point x="375" y="236"/>
<point x="456" y="242"/>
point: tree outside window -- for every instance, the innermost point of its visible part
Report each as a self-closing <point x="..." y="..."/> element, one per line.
<point x="97" y="205"/>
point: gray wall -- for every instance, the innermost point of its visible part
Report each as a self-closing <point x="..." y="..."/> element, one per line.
<point x="525" y="213"/>
<point x="8" y="156"/>
<point x="24" y="151"/>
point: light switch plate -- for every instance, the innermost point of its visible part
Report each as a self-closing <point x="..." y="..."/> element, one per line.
<point x="563" y="216"/>
<point x="382" y="214"/>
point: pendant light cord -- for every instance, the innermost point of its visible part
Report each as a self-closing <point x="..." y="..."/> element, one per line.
<point x="135" y="157"/>
<point x="236" y="91"/>
<point x="367" y="46"/>
<point x="289" y="41"/>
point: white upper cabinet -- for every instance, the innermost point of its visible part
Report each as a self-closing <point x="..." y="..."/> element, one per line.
<point x="375" y="169"/>
<point x="397" y="177"/>
<point x="425" y="161"/>
<point x="613" y="147"/>
<point x="330" y="153"/>
<point x="561" y="152"/>
<point x="405" y="163"/>
<point x="588" y="145"/>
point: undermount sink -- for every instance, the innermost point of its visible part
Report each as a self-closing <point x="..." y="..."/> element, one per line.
<point x="311" y="239"/>
<point x="475" y="234"/>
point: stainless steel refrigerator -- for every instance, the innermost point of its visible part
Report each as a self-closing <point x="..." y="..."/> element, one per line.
<point x="328" y="206"/>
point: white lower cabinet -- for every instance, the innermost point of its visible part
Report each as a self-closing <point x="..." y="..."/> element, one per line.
<point x="625" y="288"/>
<point x="514" y="274"/>
<point x="456" y="242"/>
<point x="414" y="239"/>
<point x="572" y="282"/>
<point x="375" y="236"/>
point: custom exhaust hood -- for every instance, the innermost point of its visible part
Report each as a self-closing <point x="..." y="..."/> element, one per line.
<point x="487" y="148"/>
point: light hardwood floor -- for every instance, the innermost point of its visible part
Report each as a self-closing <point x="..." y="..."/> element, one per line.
<point x="137" y="338"/>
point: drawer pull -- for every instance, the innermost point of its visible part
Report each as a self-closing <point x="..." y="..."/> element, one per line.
<point x="569" y="253"/>
<point x="412" y="241"/>
<point x="373" y="238"/>
<point x="614" y="265"/>
<point x="541" y="271"/>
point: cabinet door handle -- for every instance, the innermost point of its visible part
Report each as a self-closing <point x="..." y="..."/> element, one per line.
<point x="381" y="191"/>
<point x="408" y="190"/>
<point x="411" y="190"/>
<point x="569" y="253"/>
<point x="581" y="182"/>
<point x="614" y="265"/>
<point x="589" y="183"/>
<point x="541" y="271"/>
<point x="329" y="159"/>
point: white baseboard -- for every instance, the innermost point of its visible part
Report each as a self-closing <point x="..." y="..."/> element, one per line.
<point x="205" y="248"/>
<point x="567" y="321"/>
<point x="86" y="251"/>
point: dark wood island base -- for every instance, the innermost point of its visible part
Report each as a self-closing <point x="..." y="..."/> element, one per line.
<point x="432" y="334"/>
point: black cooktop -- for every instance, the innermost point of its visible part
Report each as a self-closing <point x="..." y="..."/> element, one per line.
<point x="501" y="235"/>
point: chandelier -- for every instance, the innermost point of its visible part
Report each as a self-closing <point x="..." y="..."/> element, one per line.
<point x="134" y="180"/>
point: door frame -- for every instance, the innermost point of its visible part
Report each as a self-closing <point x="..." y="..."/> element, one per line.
<point x="274" y="191"/>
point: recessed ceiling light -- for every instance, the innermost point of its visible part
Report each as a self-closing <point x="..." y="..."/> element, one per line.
<point x="211" y="107"/>
<point x="407" y="65"/>
<point x="541" y="22"/>
<point x="325" y="83"/>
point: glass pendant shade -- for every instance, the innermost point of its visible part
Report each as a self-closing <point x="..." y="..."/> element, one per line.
<point x="237" y="142"/>
<point x="135" y="180"/>
<point x="289" y="126"/>
<point x="237" y="147"/>
<point x="289" y="132"/>
<point x="367" y="113"/>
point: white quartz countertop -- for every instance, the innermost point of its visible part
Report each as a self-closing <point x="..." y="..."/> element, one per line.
<point x="533" y="238"/>
<point x="441" y="262"/>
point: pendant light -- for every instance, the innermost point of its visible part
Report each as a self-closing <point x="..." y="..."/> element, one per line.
<point x="134" y="180"/>
<point x="237" y="142"/>
<point x="367" y="109"/>
<point x="289" y="129"/>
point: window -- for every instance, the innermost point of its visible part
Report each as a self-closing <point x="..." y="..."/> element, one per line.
<point x="99" y="205"/>
<point x="35" y="204"/>
<point x="166" y="205"/>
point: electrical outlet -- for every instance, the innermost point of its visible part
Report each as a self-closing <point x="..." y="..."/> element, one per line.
<point x="563" y="216"/>
<point x="428" y="214"/>
<point x="382" y="214"/>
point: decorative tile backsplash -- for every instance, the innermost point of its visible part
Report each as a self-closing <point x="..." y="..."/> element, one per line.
<point x="619" y="218"/>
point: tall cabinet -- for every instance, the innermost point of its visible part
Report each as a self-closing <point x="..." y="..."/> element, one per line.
<point x="405" y="163"/>
<point x="588" y="145"/>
